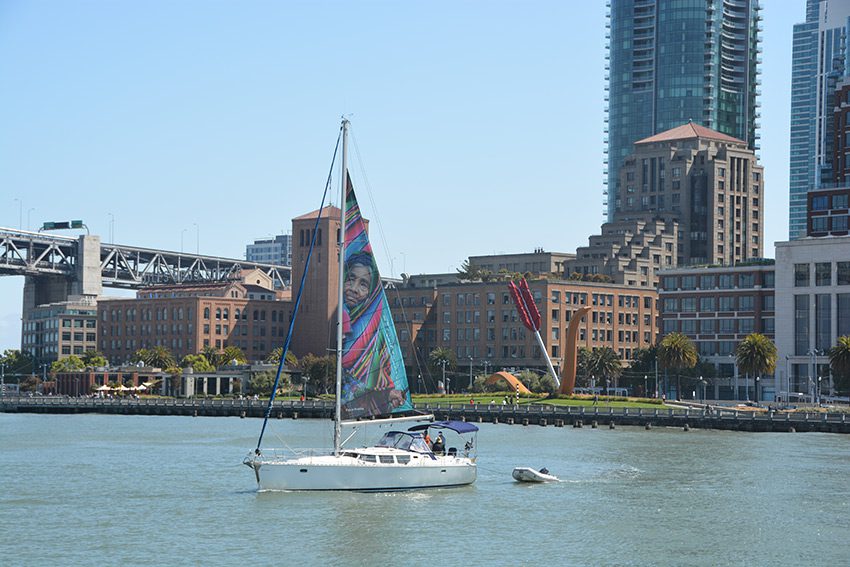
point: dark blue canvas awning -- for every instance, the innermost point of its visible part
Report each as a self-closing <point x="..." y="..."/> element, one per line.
<point x="456" y="426"/>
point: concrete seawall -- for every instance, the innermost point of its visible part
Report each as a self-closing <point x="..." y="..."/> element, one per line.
<point x="527" y="414"/>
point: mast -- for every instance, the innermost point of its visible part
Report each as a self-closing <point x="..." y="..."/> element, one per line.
<point x="339" y="304"/>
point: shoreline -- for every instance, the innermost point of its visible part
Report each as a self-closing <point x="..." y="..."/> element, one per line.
<point x="525" y="415"/>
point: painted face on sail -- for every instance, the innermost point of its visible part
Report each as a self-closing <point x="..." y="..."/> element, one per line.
<point x="358" y="280"/>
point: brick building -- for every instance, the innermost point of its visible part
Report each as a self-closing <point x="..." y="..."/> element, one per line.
<point x="717" y="307"/>
<point x="480" y="324"/>
<point x="247" y="313"/>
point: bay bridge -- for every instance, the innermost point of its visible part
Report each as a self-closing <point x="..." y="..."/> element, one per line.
<point x="57" y="267"/>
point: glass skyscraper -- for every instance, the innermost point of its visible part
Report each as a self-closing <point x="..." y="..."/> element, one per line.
<point x="818" y="62"/>
<point x="671" y="61"/>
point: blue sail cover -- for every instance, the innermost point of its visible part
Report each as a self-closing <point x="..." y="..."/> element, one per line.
<point x="374" y="381"/>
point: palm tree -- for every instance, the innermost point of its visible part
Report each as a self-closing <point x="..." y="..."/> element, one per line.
<point x="677" y="353"/>
<point x="442" y="359"/>
<point x="160" y="357"/>
<point x="839" y="362"/>
<point x="756" y="355"/>
<point x="604" y="363"/>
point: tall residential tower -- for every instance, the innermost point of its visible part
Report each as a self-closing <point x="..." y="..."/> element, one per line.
<point x="674" y="61"/>
<point x="818" y="64"/>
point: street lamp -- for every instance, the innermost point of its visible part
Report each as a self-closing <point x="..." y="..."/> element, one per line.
<point x="20" y="213"/>
<point x="445" y="384"/>
<point x="470" y="373"/>
<point x="756" y="390"/>
<point x="111" y="228"/>
<point x="644" y="385"/>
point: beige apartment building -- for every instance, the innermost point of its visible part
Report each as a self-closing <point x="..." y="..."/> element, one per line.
<point x="691" y="188"/>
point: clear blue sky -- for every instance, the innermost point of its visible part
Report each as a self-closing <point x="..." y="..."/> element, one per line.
<point x="478" y="124"/>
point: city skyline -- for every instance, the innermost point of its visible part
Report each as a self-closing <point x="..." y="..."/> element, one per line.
<point x="205" y="118"/>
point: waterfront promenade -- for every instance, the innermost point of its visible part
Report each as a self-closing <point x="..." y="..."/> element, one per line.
<point x="525" y="414"/>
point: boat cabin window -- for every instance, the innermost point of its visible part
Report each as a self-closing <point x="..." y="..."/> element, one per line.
<point x="387" y="459"/>
<point x="402" y="459"/>
<point x="368" y="458"/>
<point x="418" y="444"/>
<point x="397" y="439"/>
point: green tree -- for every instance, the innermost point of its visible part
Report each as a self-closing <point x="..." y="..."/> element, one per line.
<point x="468" y="272"/>
<point x="677" y="353"/>
<point x="274" y="358"/>
<point x="604" y="364"/>
<point x="158" y="357"/>
<point x="231" y="353"/>
<point x="442" y="358"/>
<point x="320" y="371"/>
<point x="30" y="383"/>
<point x="756" y="355"/>
<point x="197" y="362"/>
<point x="93" y="358"/>
<point x="70" y="363"/>
<point x="17" y="362"/>
<point x="839" y="362"/>
<point x="261" y="383"/>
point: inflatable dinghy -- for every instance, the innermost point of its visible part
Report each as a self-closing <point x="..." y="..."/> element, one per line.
<point x="527" y="474"/>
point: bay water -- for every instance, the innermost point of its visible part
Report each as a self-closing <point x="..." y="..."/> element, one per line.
<point x="145" y="490"/>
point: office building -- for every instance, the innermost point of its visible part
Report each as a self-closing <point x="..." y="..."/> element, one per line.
<point x="812" y="310"/>
<point x="277" y="250"/>
<point x="671" y="61"/>
<point x="818" y="67"/>
<point x="56" y="330"/>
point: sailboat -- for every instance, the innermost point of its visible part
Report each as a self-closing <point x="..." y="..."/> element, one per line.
<point x="371" y="388"/>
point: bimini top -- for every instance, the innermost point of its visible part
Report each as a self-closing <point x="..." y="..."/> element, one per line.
<point x="456" y="426"/>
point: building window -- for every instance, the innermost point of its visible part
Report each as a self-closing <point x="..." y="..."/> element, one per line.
<point x="839" y="223"/>
<point x="727" y="303"/>
<point x="819" y="224"/>
<point x="671" y="305"/>
<point x="823" y="321"/>
<point x="727" y="326"/>
<point x="745" y="303"/>
<point x="706" y="326"/>
<point x="746" y="280"/>
<point x="839" y="201"/>
<point x="706" y="304"/>
<point x="823" y="274"/>
<point x="725" y="281"/>
<point x="843" y="273"/>
<point x="689" y="304"/>
<point x="801" y="324"/>
<point x="689" y="282"/>
<point x="768" y="302"/>
<point x="843" y="314"/>
<point x="820" y="203"/>
<point x="801" y="275"/>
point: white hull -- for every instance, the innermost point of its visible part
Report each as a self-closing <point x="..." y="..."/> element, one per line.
<point x="348" y="472"/>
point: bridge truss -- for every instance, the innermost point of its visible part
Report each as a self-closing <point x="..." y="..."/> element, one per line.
<point x="32" y="254"/>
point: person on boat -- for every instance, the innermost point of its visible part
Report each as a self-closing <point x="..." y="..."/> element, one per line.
<point x="427" y="439"/>
<point x="439" y="446"/>
<point x="367" y="384"/>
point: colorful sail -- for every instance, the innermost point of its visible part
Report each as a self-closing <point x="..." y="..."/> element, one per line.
<point x="374" y="381"/>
